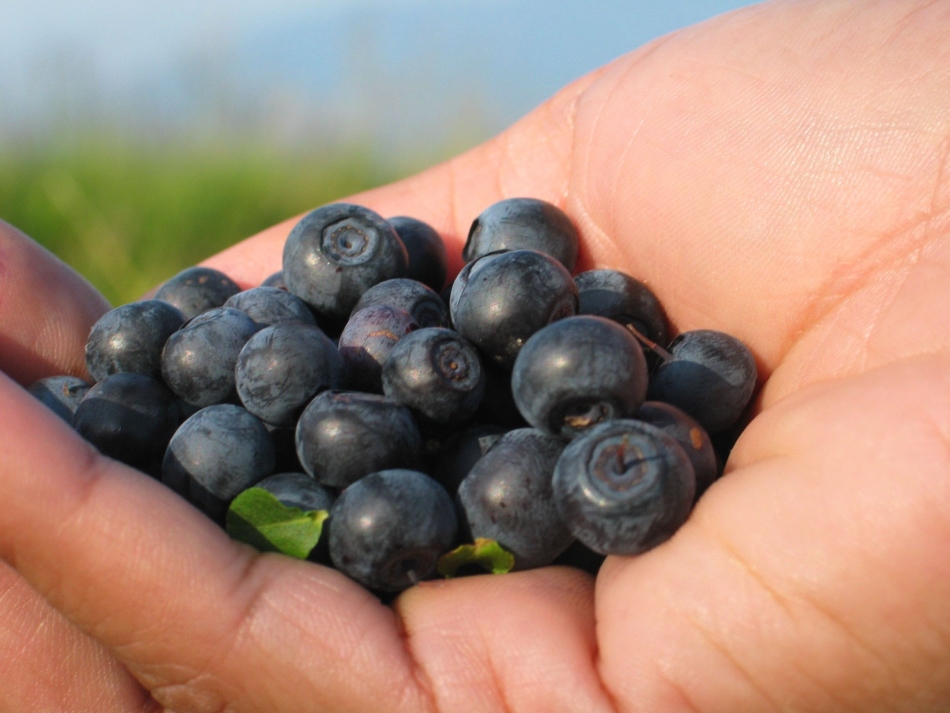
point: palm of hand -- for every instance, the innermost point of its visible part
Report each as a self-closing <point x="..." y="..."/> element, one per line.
<point x="778" y="174"/>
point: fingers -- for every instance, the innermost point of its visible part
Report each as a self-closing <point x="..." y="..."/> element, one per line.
<point x="46" y="311"/>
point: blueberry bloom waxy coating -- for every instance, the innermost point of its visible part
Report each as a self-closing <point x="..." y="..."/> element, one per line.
<point x="623" y="299"/>
<point x="366" y="340"/>
<point x="268" y="305"/>
<point x="129" y="417"/>
<point x="131" y="338"/>
<point x="337" y="252"/>
<point x="61" y="394"/>
<point x="197" y="289"/>
<point x="198" y="360"/>
<point x="421" y="301"/>
<point x="624" y="487"/>
<point x="282" y="367"/>
<point x="711" y="376"/>
<point x="523" y="223"/>
<point x="428" y="260"/>
<point x="390" y="528"/>
<point x="436" y="373"/>
<point x="505" y="298"/>
<point x="578" y="372"/>
<point x="507" y="497"/>
<point x="345" y="435"/>
<point x="215" y="454"/>
<point x="689" y="434"/>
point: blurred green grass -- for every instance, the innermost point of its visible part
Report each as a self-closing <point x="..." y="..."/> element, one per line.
<point x="128" y="214"/>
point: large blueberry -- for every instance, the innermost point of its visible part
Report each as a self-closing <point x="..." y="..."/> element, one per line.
<point x="345" y="435"/>
<point x="129" y="417"/>
<point x="710" y="375"/>
<point x="498" y="305"/>
<point x="268" y="305"/>
<point x="421" y="301"/>
<point x="198" y="360"/>
<point x="507" y="497"/>
<point x="337" y="252"/>
<point x="390" y="528"/>
<point x="437" y="373"/>
<point x="623" y="487"/>
<point x="523" y="223"/>
<point x="131" y="338"/>
<point x="428" y="260"/>
<point x="215" y="454"/>
<point x="624" y="299"/>
<point x="197" y="289"/>
<point x="282" y="367"/>
<point x="578" y="372"/>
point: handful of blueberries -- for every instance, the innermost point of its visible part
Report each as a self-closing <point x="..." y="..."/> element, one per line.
<point x="352" y="411"/>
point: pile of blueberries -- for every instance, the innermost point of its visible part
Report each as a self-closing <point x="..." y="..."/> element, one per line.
<point x="518" y="417"/>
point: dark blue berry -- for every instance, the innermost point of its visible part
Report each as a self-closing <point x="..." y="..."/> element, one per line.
<point x="270" y="305"/>
<point x="366" y="340"/>
<point x="297" y="490"/>
<point x="198" y="360"/>
<point x="336" y="253"/>
<point x="578" y="372"/>
<point x="507" y="497"/>
<point x="689" y="434"/>
<point x="345" y="435"/>
<point x="215" y="454"/>
<point x="461" y="451"/>
<point x="523" y="223"/>
<point x="623" y="299"/>
<point x="131" y="338"/>
<point x="390" y="528"/>
<point x="436" y="373"/>
<point x="421" y="301"/>
<point x="275" y="279"/>
<point x="428" y="261"/>
<point x="129" y="417"/>
<point x="197" y="289"/>
<point x="710" y="375"/>
<point x="61" y="394"/>
<point x="282" y="367"/>
<point x="623" y="487"/>
<point x="507" y="297"/>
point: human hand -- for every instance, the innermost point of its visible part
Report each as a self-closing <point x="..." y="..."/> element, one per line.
<point x="779" y="174"/>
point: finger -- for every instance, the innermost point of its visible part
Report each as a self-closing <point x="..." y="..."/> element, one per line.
<point x="46" y="664"/>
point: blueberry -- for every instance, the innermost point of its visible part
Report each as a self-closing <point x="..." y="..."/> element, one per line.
<point x="282" y="367"/>
<point x="198" y="360"/>
<point x="129" y="417"/>
<point x="61" y="394"/>
<point x="390" y="528"/>
<point x="215" y="454"/>
<point x="421" y="301"/>
<point x="270" y="305"/>
<point x="297" y="490"/>
<point x="523" y="223"/>
<point x="197" y="289"/>
<point x="578" y="372"/>
<point x="428" y="261"/>
<point x="507" y="497"/>
<point x="502" y="302"/>
<point x="623" y="487"/>
<point x="345" y="435"/>
<point x="275" y="279"/>
<point x="436" y="373"/>
<point x="710" y="375"/>
<point x="131" y="338"/>
<point x="336" y="253"/>
<point x="366" y="340"/>
<point x="618" y="296"/>
<point x="689" y="434"/>
<point x="461" y="451"/>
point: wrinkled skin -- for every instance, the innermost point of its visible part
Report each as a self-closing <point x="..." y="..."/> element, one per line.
<point x="779" y="174"/>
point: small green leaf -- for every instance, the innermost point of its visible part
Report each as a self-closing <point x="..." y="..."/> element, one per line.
<point x="257" y="518"/>
<point x="485" y="553"/>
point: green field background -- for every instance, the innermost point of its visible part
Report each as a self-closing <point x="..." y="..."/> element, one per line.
<point x="129" y="214"/>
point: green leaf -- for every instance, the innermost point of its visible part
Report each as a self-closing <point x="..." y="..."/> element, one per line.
<point x="258" y="518"/>
<point x="484" y="552"/>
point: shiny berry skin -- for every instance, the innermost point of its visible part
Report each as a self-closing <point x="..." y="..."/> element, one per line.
<point x="523" y="224"/>
<point x="366" y="340"/>
<point x="337" y="252"/>
<point x="578" y="372"/>
<point x="390" y="528"/>
<point x="623" y="487"/>
<point x="623" y="299"/>
<point x="428" y="260"/>
<point x="268" y="305"/>
<point x="689" y="434"/>
<point x="197" y="289"/>
<point x="421" y="301"/>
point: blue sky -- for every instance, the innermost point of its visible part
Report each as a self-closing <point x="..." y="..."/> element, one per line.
<point x="402" y="71"/>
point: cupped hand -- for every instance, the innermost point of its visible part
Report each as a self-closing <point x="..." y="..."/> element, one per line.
<point x="779" y="173"/>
